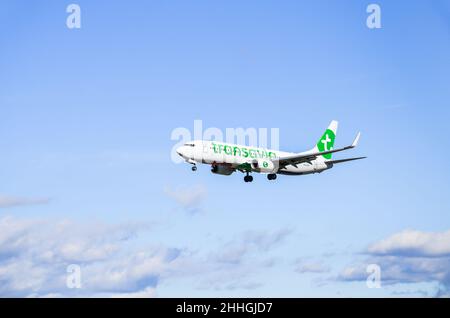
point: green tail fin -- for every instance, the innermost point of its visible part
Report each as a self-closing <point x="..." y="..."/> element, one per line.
<point x="326" y="142"/>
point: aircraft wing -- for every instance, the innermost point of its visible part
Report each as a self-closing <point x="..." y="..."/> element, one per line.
<point x="345" y="160"/>
<point x="308" y="157"/>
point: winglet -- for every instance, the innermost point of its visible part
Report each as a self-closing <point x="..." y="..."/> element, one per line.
<point x="355" y="142"/>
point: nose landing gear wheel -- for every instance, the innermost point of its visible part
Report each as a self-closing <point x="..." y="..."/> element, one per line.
<point x="272" y="176"/>
<point x="194" y="168"/>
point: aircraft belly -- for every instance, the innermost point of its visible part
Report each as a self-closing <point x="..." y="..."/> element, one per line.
<point x="304" y="168"/>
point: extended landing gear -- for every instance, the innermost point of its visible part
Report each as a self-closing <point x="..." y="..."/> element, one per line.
<point x="272" y="176"/>
<point x="248" y="178"/>
<point x="194" y="168"/>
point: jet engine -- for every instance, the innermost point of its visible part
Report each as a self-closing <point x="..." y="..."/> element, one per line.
<point x="224" y="170"/>
<point x="264" y="166"/>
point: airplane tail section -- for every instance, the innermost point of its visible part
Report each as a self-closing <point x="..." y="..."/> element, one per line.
<point x="326" y="142"/>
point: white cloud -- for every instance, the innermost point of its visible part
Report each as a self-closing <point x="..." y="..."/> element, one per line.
<point x="189" y="198"/>
<point x="414" y="243"/>
<point x="408" y="257"/>
<point x="249" y="242"/>
<point x="308" y="266"/>
<point x="148" y="292"/>
<point x="235" y="263"/>
<point x="34" y="256"/>
<point x="11" y="201"/>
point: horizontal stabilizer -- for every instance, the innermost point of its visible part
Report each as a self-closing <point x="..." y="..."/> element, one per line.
<point x="312" y="155"/>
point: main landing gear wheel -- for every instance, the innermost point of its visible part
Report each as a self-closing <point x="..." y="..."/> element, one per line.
<point x="194" y="168"/>
<point x="272" y="176"/>
<point x="248" y="178"/>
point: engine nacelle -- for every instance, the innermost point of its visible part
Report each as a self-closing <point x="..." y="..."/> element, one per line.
<point x="264" y="166"/>
<point x="223" y="170"/>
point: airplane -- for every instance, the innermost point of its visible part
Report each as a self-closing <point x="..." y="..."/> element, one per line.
<point x="226" y="158"/>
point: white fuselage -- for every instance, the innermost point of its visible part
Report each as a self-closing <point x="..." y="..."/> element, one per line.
<point x="237" y="156"/>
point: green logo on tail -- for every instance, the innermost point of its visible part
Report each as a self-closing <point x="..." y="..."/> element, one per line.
<point x="326" y="142"/>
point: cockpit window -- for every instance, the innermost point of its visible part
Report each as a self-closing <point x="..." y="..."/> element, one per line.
<point x="189" y="144"/>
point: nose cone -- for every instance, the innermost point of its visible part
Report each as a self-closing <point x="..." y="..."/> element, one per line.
<point x="180" y="151"/>
<point x="185" y="152"/>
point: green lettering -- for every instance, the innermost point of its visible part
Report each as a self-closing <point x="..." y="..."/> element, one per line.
<point x="228" y="150"/>
<point x="236" y="149"/>
<point x="245" y="152"/>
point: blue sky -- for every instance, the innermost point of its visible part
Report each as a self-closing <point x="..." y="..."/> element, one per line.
<point x="87" y="115"/>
